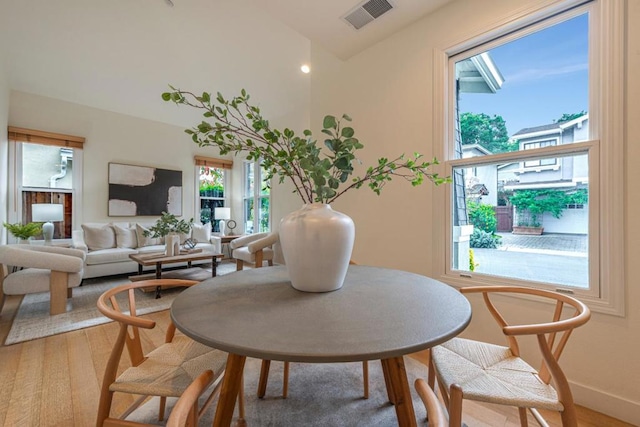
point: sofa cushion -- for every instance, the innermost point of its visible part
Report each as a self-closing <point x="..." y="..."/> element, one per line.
<point x="144" y="240"/>
<point x="206" y="247"/>
<point x="99" y="237"/>
<point x="107" y="256"/>
<point x="152" y="248"/>
<point x="126" y="237"/>
<point x="202" y="233"/>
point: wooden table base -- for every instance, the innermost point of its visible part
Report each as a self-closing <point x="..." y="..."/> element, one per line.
<point x="395" y="377"/>
<point x="231" y="384"/>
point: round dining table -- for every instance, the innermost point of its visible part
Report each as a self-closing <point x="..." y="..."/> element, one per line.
<point x="378" y="314"/>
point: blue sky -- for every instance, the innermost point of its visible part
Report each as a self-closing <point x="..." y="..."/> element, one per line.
<point x="546" y="75"/>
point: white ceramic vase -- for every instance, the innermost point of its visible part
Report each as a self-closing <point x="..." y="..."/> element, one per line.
<point x="316" y="244"/>
<point x="172" y="244"/>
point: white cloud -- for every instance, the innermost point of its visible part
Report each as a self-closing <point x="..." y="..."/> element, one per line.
<point x="530" y="74"/>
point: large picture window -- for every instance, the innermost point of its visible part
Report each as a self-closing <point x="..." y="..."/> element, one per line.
<point x="526" y="144"/>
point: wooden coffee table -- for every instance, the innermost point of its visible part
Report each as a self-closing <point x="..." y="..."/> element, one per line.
<point x="159" y="258"/>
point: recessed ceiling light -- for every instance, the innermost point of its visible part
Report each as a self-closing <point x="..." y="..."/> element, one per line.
<point x="305" y="69"/>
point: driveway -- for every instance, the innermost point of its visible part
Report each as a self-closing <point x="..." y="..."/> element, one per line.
<point x="551" y="258"/>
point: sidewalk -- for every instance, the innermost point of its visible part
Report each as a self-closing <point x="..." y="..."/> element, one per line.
<point x="552" y="244"/>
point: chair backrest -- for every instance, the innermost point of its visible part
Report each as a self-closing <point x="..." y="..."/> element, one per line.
<point x="552" y="336"/>
<point x="185" y="411"/>
<point x="119" y="304"/>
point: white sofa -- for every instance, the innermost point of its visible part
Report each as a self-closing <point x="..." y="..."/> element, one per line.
<point x="108" y="246"/>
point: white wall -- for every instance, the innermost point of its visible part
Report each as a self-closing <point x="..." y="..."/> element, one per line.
<point x="387" y="90"/>
<point x="113" y="137"/>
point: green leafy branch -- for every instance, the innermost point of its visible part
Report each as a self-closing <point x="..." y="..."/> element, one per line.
<point x="169" y="223"/>
<point x="236" y="126"/>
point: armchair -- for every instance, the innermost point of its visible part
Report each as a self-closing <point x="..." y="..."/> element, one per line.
<point x="44" y="269"/>
<point x="254" y="249"/>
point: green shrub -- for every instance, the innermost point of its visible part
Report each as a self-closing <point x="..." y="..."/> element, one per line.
<point x="482" y="217"/>
<point x="482" y="239"/>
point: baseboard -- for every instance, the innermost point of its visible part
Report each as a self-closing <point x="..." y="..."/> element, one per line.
<point x="606" y="403"/>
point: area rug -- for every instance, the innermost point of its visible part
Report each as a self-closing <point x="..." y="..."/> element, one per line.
<point x="33" y="320"/>
<point x="319" y="395"/>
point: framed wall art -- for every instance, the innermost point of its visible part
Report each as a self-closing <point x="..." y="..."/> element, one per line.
<point x="142" y="190"/>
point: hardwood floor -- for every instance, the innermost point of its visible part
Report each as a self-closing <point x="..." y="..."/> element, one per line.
<point x="55" y="381"/>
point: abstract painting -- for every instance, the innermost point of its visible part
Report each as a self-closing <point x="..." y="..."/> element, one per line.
<point x="143" y="190"/>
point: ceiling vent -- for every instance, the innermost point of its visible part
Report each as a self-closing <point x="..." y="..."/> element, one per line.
<point x="367" y="12"/>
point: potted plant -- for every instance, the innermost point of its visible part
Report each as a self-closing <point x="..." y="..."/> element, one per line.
<point x="24" y="232"/>
<point x="319" y="176"/>
<point x="169" y="227"/>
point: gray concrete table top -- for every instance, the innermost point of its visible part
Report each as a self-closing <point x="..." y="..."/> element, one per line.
<point x="378" y="314"/>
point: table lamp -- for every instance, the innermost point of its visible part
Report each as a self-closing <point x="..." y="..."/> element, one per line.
<point x="222" y="214"/>
<point x="47" y="213"/>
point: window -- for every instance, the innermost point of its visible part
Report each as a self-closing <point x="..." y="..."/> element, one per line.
<point x="211" y="185"/>
<point x="46" y="169"/>
<point x="540" y="144"/>
<point x="547" y="164"/>
<point x="256" y="199"/>
<point x="212" y="180"/>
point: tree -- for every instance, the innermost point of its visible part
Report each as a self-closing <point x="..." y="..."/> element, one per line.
<point x="570" y="116"/>
<point x="489" y="132"/>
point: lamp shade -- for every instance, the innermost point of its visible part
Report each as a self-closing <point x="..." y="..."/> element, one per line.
<point x="222" y="213"/>
<point x="46" y="212"/>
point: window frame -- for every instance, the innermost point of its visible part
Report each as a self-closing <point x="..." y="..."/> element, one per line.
<point x="553" y="142"/>
<point x="257" y="195"/>
<point x="199" y="198"/>
<point x="606" y="149"/>
<point x="15" y="184"/>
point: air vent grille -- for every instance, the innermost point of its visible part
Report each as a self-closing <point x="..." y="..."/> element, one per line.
<point x="367" y="12"/>
<point x="377" y="7"/>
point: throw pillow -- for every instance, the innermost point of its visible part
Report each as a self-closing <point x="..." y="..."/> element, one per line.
<point x="202" y="233"/>
<point x="144" y="240"/>
<point x="125" y="237"/>
<point x="99" y="236"/>
<point x="184" y="237"/>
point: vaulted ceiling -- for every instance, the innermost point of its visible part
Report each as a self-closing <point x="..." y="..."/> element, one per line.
<point x="321" y="21"/>
<point x="119" y="55"/>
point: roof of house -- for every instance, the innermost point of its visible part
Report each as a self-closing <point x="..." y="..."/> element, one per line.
<point x="479" y="74"/>
<point x="552" y="127"/>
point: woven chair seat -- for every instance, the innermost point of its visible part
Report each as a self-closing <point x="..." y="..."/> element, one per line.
<point x="170" y="368"/>
<point x="491" y="373"/>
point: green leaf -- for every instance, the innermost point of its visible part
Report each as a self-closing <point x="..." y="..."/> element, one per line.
<point x="329" y="122"/>
<point x="347" y="132"/>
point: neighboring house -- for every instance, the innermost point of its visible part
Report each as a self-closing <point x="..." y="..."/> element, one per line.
<point x="478" y="74"/>
<point x="481" y="183"/>
<point x="565" y="173"/>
